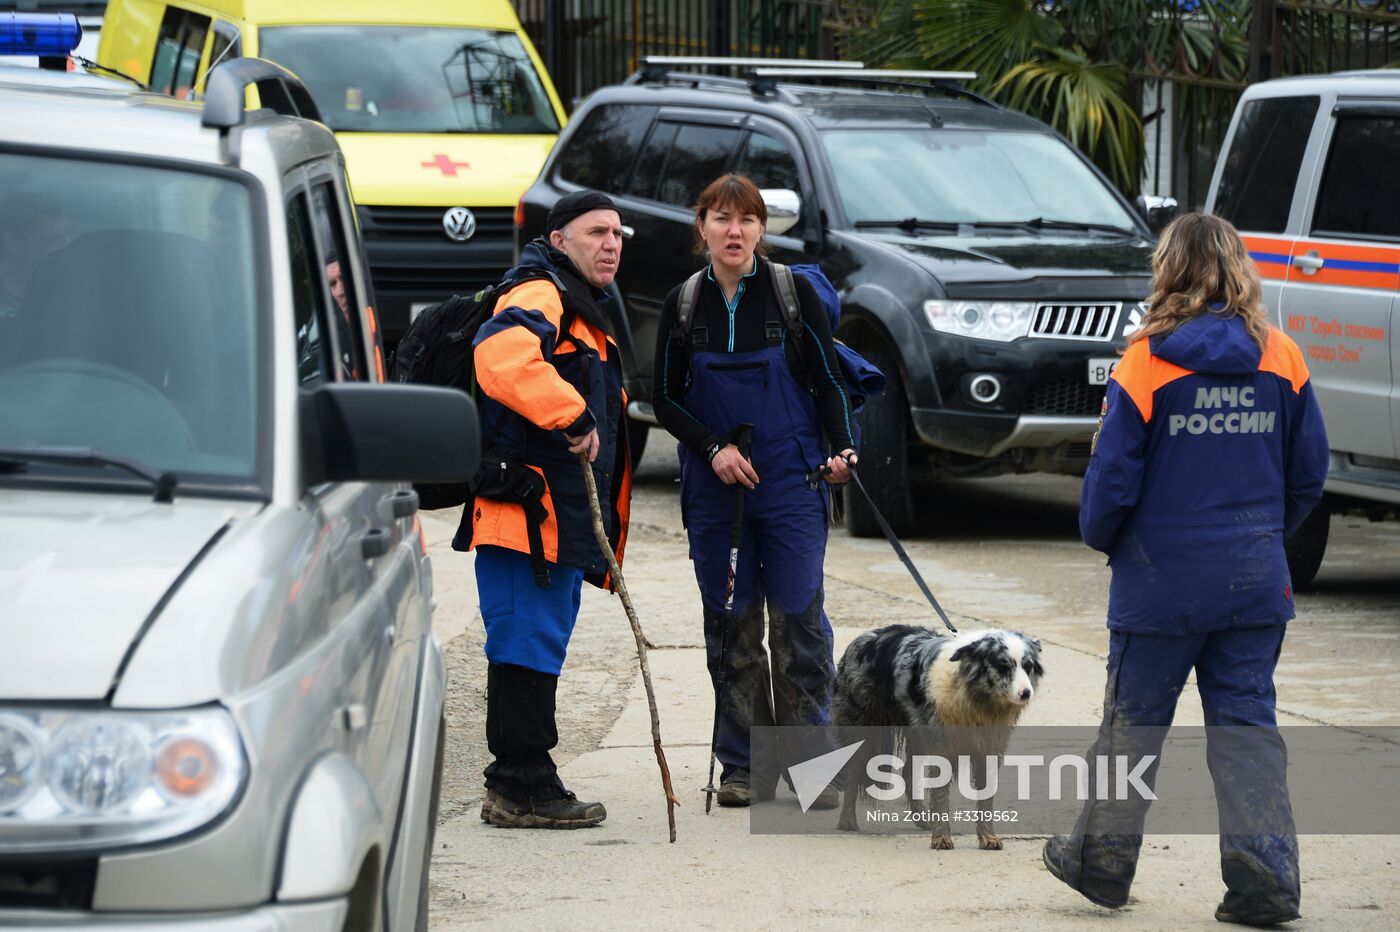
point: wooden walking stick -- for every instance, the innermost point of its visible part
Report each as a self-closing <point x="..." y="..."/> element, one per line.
<point x="616" y="571"/>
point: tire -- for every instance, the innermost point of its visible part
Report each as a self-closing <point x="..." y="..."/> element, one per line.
<point x="637" y="433"/>
<point x="422" y="924"/>
<point x="884" y="458"/>
<point x="1305" y="548"/>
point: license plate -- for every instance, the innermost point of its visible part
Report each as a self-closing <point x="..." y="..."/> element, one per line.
<point x="1100" y="368"/>
<point x="417" y="308"/>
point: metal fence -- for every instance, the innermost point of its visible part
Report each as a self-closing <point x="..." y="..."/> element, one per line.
<point x="1286" y="37"/>
<point x="587" y="44"/>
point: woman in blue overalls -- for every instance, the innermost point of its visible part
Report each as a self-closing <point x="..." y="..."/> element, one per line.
<point x="740" y="360"/>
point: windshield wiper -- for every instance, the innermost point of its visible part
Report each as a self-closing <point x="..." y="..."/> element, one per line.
<point x="95" y="68"/>
<point x="17" y="459"/>
<point x="1045" y="223"/>
<point x="909" y="224"/>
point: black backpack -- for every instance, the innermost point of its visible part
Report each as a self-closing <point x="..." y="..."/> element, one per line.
<point x="437" y="350"/>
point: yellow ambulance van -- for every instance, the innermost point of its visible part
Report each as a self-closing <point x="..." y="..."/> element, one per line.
<point x="444" y="112"/>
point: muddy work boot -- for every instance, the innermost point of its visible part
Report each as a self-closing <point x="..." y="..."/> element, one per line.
<point x="551" y="813"/>
<point x="489" y="803"/>
<point x="1254" y="897"/>
<point x="734" y="790"/>
<point x="1060" y="860"/>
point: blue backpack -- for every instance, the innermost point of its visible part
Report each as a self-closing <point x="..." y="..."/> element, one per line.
<point x="860" y="379"/>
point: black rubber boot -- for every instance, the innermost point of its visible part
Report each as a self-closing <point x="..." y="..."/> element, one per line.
<point x="563" y="813"/>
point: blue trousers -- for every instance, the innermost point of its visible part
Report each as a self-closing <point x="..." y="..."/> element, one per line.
<point x="1245" y="754"/>
<point x="526" y="626"/>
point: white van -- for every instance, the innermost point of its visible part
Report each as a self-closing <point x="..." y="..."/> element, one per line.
<point x="1308" y="176"/>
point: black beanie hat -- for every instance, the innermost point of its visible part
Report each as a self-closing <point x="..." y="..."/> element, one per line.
<point x="576" y="205"/>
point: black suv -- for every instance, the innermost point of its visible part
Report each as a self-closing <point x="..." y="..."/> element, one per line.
<point x="983" y="263"/>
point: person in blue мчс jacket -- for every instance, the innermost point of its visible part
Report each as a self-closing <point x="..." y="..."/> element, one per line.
<point x="1211" y="450"/>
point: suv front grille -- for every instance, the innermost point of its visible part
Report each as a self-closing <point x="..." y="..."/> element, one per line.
<point x="1076" y="321"/>
<point x="1067" y="397"/>
<point x="426" y="222"/>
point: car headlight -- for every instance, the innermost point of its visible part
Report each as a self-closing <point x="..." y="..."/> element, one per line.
<point x="983" y="320"/>
<point x="83" y="780"/>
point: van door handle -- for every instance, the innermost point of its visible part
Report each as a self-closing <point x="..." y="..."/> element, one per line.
<point x="403" y="502"/>
<point x="1309" y="263"/>
<point x="376" y="542"/>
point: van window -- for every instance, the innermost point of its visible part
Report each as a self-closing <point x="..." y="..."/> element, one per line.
<point x="415" y="79"/>
<point x="600" y="153"/>
<point x="179" y="44"/>
<point x="697" y="158"/>
<point x="227" y="44"/>
<point x="1360" y="192"/>
<point x="1261" y="169"/>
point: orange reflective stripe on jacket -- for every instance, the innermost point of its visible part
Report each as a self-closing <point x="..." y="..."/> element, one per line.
<point x="1140" y="374"/>
<point x="511" y="367"/>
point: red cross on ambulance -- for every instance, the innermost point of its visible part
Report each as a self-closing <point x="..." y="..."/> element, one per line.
<point x="444" y="163"/>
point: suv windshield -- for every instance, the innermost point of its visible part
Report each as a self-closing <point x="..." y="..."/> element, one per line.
<point x="127" y="319"/>
<point x="966" y="176"/>
<point x="403" y="79"/>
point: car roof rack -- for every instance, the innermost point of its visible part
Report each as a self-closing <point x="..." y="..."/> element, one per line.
<point x="224" y="97"/>
<point x="656" y="67"/>
<point x="765" y="79"/>
<point x="660" y="69"/>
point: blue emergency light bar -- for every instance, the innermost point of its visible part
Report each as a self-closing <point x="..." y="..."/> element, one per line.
<point x="47" y="35"/>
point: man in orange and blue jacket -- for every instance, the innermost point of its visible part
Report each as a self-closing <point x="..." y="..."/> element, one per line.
<point x="551" y="384"/>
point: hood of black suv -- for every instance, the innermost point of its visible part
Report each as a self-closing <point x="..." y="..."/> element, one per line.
<point x="981" y="260"/>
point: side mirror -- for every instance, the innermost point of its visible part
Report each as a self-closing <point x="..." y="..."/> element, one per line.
<point x="354" y="432"/>
<point x="784" y="209"/>
<point x="1158" y="211"/>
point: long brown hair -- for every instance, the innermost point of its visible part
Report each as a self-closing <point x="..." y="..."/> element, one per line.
<point x="1201" y="260"/>
<point x="732" y="192"/>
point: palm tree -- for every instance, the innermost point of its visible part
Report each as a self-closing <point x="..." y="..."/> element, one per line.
<point x="1078" y="65"/>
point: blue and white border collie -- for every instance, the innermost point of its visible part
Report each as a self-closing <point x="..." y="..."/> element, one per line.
<point x="947" y="695"/>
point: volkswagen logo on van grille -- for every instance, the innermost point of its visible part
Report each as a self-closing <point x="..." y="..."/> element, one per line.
<point x="459" y="224"/>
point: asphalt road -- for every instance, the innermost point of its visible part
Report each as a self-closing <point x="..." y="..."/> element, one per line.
<point x="999" y="553"/>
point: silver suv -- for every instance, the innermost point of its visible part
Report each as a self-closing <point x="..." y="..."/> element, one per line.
<point x="1308" y="175"/>
<point x="220" y="693"/>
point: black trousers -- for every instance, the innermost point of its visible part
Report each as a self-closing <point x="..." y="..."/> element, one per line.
<point x="520" y="733"/>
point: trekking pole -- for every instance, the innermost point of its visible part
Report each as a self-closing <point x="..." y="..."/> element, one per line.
<point x="743" y="436"/>
<point x="621" y="586"/>
<point x="815" y="477"/>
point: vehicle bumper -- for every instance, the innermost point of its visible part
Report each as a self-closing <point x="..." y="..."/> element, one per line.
<point x="989" y="435"/>
<point x="322" y="916"/>
<point x="1043" y="395"/>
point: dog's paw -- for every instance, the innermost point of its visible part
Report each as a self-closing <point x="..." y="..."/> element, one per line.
<point x="941" y="843"/>
<point x="848" y="824"/>
<point x="989" y="842"/>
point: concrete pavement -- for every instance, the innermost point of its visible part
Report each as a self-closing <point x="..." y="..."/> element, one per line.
<point x="999" y="553"/>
